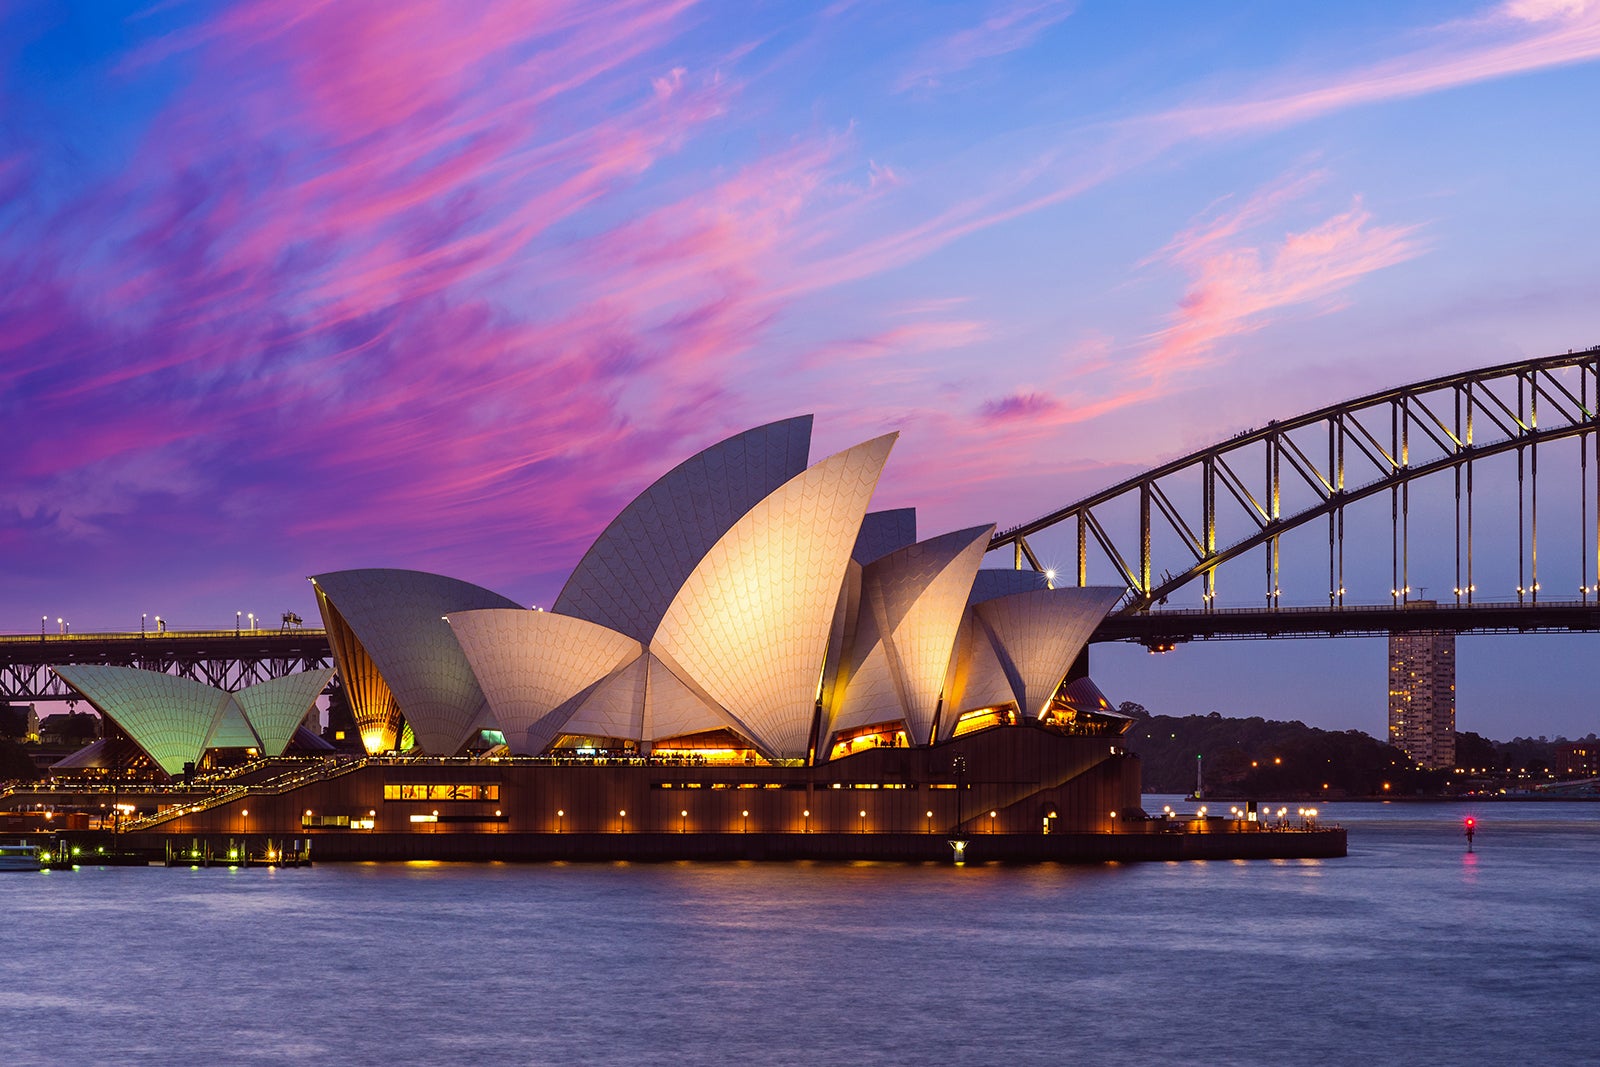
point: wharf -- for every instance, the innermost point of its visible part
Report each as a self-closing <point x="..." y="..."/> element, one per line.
<point x="1135" y="846"/>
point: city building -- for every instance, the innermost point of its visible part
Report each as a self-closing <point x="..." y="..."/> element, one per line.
<point x="1576" y="759"/>
<point x="1422" y="695"/>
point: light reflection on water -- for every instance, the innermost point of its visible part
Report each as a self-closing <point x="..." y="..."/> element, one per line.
<point x="1408" y="951"/>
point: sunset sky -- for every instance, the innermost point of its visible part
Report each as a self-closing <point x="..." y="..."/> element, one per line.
<point x="288" y="287"/>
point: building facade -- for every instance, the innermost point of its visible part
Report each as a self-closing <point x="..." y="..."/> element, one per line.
<point x="1422" y="695"/>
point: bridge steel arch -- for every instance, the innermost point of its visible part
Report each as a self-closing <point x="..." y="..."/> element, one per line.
<point x="1373" y="445"/>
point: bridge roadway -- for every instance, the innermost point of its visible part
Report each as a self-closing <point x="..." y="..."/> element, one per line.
<point x="232" y="659"/>
<point x="227" y="659"/>
<point x="1158" y="628"/>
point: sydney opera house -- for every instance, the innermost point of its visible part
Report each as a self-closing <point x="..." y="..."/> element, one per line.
<point x="746" y="648"/>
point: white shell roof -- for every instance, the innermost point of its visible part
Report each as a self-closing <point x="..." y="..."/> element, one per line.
<point x="167" y="716"/>
<point x="674" y="708"/>
<point x="976" y="680"/>
<point x="629" y="576"/>
<point x="1037" y="635"/>
<point x="912" y="601"/>
<point x="993" y="582"/>
<point x="277" y="707"/>
<point x="615" y="707"/>
<point x="882" y="532"/>
<point x="750" y="625"/>
<point x="398" y="617"/>
<point x="533" y="665"/>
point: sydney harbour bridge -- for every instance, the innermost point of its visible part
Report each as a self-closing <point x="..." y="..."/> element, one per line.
<point x="1424" y="507"/>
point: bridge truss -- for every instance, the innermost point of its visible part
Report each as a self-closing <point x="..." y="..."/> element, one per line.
<point x="1177" y="524"/>
<point x="226" y="659"/>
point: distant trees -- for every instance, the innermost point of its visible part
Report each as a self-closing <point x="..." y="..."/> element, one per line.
<point x="15" y="765"/>
<point x="1261" y="757"/>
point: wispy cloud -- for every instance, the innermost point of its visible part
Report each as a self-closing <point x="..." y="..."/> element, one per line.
<point x="1241" y="275"/>
<point x="1515" y="38"/>
<point x="1007" y="28"/>
<point x="1236" y="284"/>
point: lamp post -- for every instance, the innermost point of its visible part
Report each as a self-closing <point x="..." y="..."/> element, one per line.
<point x="958" y="767"/>
<point x="252" y="616"/>
<point x="1113" y="822"/>
<point x="144" y="618"/>
<point x="863" y="820"/>
<point x="238" y="618"/>
<point x="683" y="821"/>
<point x="992" y="814"/>
<point x="622" y="815"/>
<point x="930" y="822"/>
<point x="561" y="816"/>
<point x="745" y="825"/>
<point x="807" y="814"/>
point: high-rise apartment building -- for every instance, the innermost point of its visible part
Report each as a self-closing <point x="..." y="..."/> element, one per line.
<point x="1422" y="695"/>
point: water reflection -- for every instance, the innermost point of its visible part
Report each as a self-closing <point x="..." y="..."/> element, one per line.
<point x="809" y="963"/>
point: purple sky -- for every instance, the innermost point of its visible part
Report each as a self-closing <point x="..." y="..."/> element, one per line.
<point x="288" y="286"/>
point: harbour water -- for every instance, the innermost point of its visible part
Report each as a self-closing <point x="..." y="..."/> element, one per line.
<point x="1408" y="951"/>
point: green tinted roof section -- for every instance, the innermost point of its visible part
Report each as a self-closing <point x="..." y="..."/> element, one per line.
<point x="276" y="707"/>
<point x="167" y="716"/>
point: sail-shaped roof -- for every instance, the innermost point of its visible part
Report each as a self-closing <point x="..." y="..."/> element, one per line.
<point x="167" y="716"/>
<point x="277" y="706"/>
<point x="629" y="576"/>
<point x="535" y="666"/>
<point x="912" y="601"/>
<point x="397" y="620"/>
<point x="1037" y="635"/>
<point x="750" y="624"/>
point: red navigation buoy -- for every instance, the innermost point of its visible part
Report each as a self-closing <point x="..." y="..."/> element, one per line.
<point x="1471" y="825"/>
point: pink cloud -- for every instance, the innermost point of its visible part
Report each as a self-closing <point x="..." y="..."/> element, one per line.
<point x="1006" y="29"/>
<point x="1515" y="38"/>
<point x="1235" y="286"/>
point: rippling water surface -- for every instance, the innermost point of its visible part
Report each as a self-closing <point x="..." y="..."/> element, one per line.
<point x="1407" y="951"/>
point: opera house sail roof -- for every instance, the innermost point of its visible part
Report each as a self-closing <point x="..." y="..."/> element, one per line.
<point x="176" y="720"/>
<point x="746" y="596"/>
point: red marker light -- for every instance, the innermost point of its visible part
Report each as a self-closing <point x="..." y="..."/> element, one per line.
<point x="1471" y="822"/>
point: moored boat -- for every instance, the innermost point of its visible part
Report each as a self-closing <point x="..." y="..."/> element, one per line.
<point x="19" y="858"/>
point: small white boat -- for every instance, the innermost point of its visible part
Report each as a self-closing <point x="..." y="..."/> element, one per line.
<point x="20" y="858"/>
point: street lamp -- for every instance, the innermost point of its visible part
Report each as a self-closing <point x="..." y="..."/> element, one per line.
<point x="561" y="815"/>
<point x="807" y="814"/>
<point x="623" y="815"/>
<point x="991" y="821"/>
<point x="683" y="821"/>
<point x="958" y="767"/>
<point x="252" y="616"/>
<point x="930" y="822"/>
<point x="863" y="820"/>
<point x="745" y="815"/>
<point x="238" y="617"/>
<point x="1113" y="822"/>
<point x="144" y="617"/>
